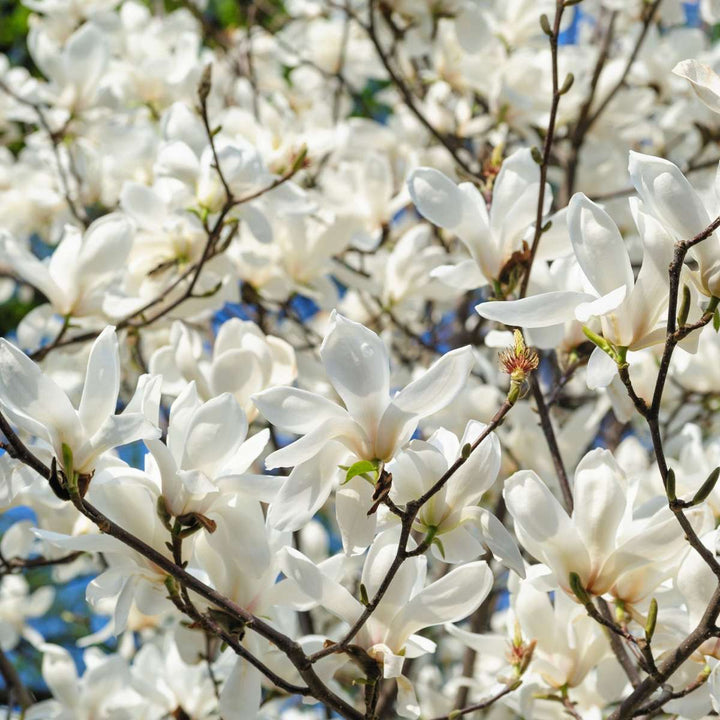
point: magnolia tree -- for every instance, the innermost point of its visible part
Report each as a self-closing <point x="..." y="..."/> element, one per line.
<point x="364" y="359"/>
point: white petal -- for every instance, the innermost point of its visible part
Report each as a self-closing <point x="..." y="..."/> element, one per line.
<point x="599" y="491"/>
<point x="601" y="369"/>
<point x="358" y="366"/>
<point x="465" y="275"/>
<point x="295" y="410"/>
<point x="313" y="582"/>
<point x="431" y="392"/>
<point x="305" y="490"/>
<point x="668" y="195"/>
<point x="544" y="528"/>
<point x="536" y="311"/>
<point x="241" y="694"/>
<point x="105" y="246"/>
<point x="343" y="429"/>
<point x="602" y="305"/>
<point x="436" y="197"/>
<point x="34" y="401"/>
<point x="216" y="431"/>
<point x="60" y="674"/>
<point x="704" y="80"/>
<point x="357" y="528"/>
<point x="496" y="536"/>
<point x="449" y="599"/>
<point x="598" y="245"/>
<point x="102" y="382"/>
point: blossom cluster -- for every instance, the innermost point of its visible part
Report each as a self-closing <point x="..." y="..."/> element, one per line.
<point x="365" y="365"/>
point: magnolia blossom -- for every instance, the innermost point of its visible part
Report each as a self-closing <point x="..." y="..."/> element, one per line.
<point x="244" y="362"/>
<point x="371" y="426"/>
<point x="669" y="197"/>
<point x="630" y="309"/>
<point x="491" y="238"/>
<point x="601" y="541"/>
<point x="206" y="454"/>
<point x="38" y="406"/>
<point x="79" y="272"/>
<point x="450" y="516"/>
<point x="406" y="607"/>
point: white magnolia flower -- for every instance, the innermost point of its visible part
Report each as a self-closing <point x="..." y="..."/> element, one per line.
<point x="630" y="310"/>
<point x="80" y="270"/>
<point x="372" y="425"/>
<point x="207" y="454"/>
<point x="601" y="541"/>
<point x="490" y="238"/>
<point x="452" y="513"/>
<point x="244" y="361"/>
<point x="406" y="607"/>
<point x="669" y="197"/>
<point x="37" y="405"/>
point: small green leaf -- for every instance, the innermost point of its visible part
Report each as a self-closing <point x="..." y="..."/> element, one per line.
<point x="437" y="541"/>
<point x="361" y="467"/>
<point x="716" y="320"/>
<point x="363" y="595"/>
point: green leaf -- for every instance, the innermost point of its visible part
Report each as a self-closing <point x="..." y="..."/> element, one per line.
<point x="716" y="320"/>
<point x="436" y="541"/>
<point x="361" y="467"/>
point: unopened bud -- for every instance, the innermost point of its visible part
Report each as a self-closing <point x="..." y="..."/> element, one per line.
<point x="670" y="485"/>
<point x="545" y="25"/>
<point x="706" y="488"/>
<point x="569" y="80"/>
<point x="684" y="306"/>
<point x="651" y="621"/>
<point x="205" y="84"/>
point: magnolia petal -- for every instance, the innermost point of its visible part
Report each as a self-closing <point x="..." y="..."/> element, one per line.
<point x="431" y="392"/>
<point x="601" y="369"/>
<point x="449" y="599"/>
<point x="34" y="401"/>
<point x="703" y="80"/>
<point x="241" y="694"/>
<point x="343" y="429"/>
<point x="602" y="305"/>
<point x="599" y="490"/>
<point x="438" y="386"/>
<point x="357" y="528"/>
<point x="496" y="536"/>
<point x="296" y="410"/>
<point x="544" y="528"/>
<point x="60" y="674"/>
<point x="106" y="244"/>
<point x="102" y="382"/>
<point x="598" y="245"/>
<point x="306" y="489"/>
<point x="407" y="703"/>
<point x="436" y="197"/>
<point x="466" y="275"/>
<point x="216" y="431"/>
<point x="332" y="596"/>
<point x="536" y="311"/>
<point x="667" y="194"/>
<point x="358" y="366"/>
<point x="117" y="430"/>
<point x="30" y="269"/>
